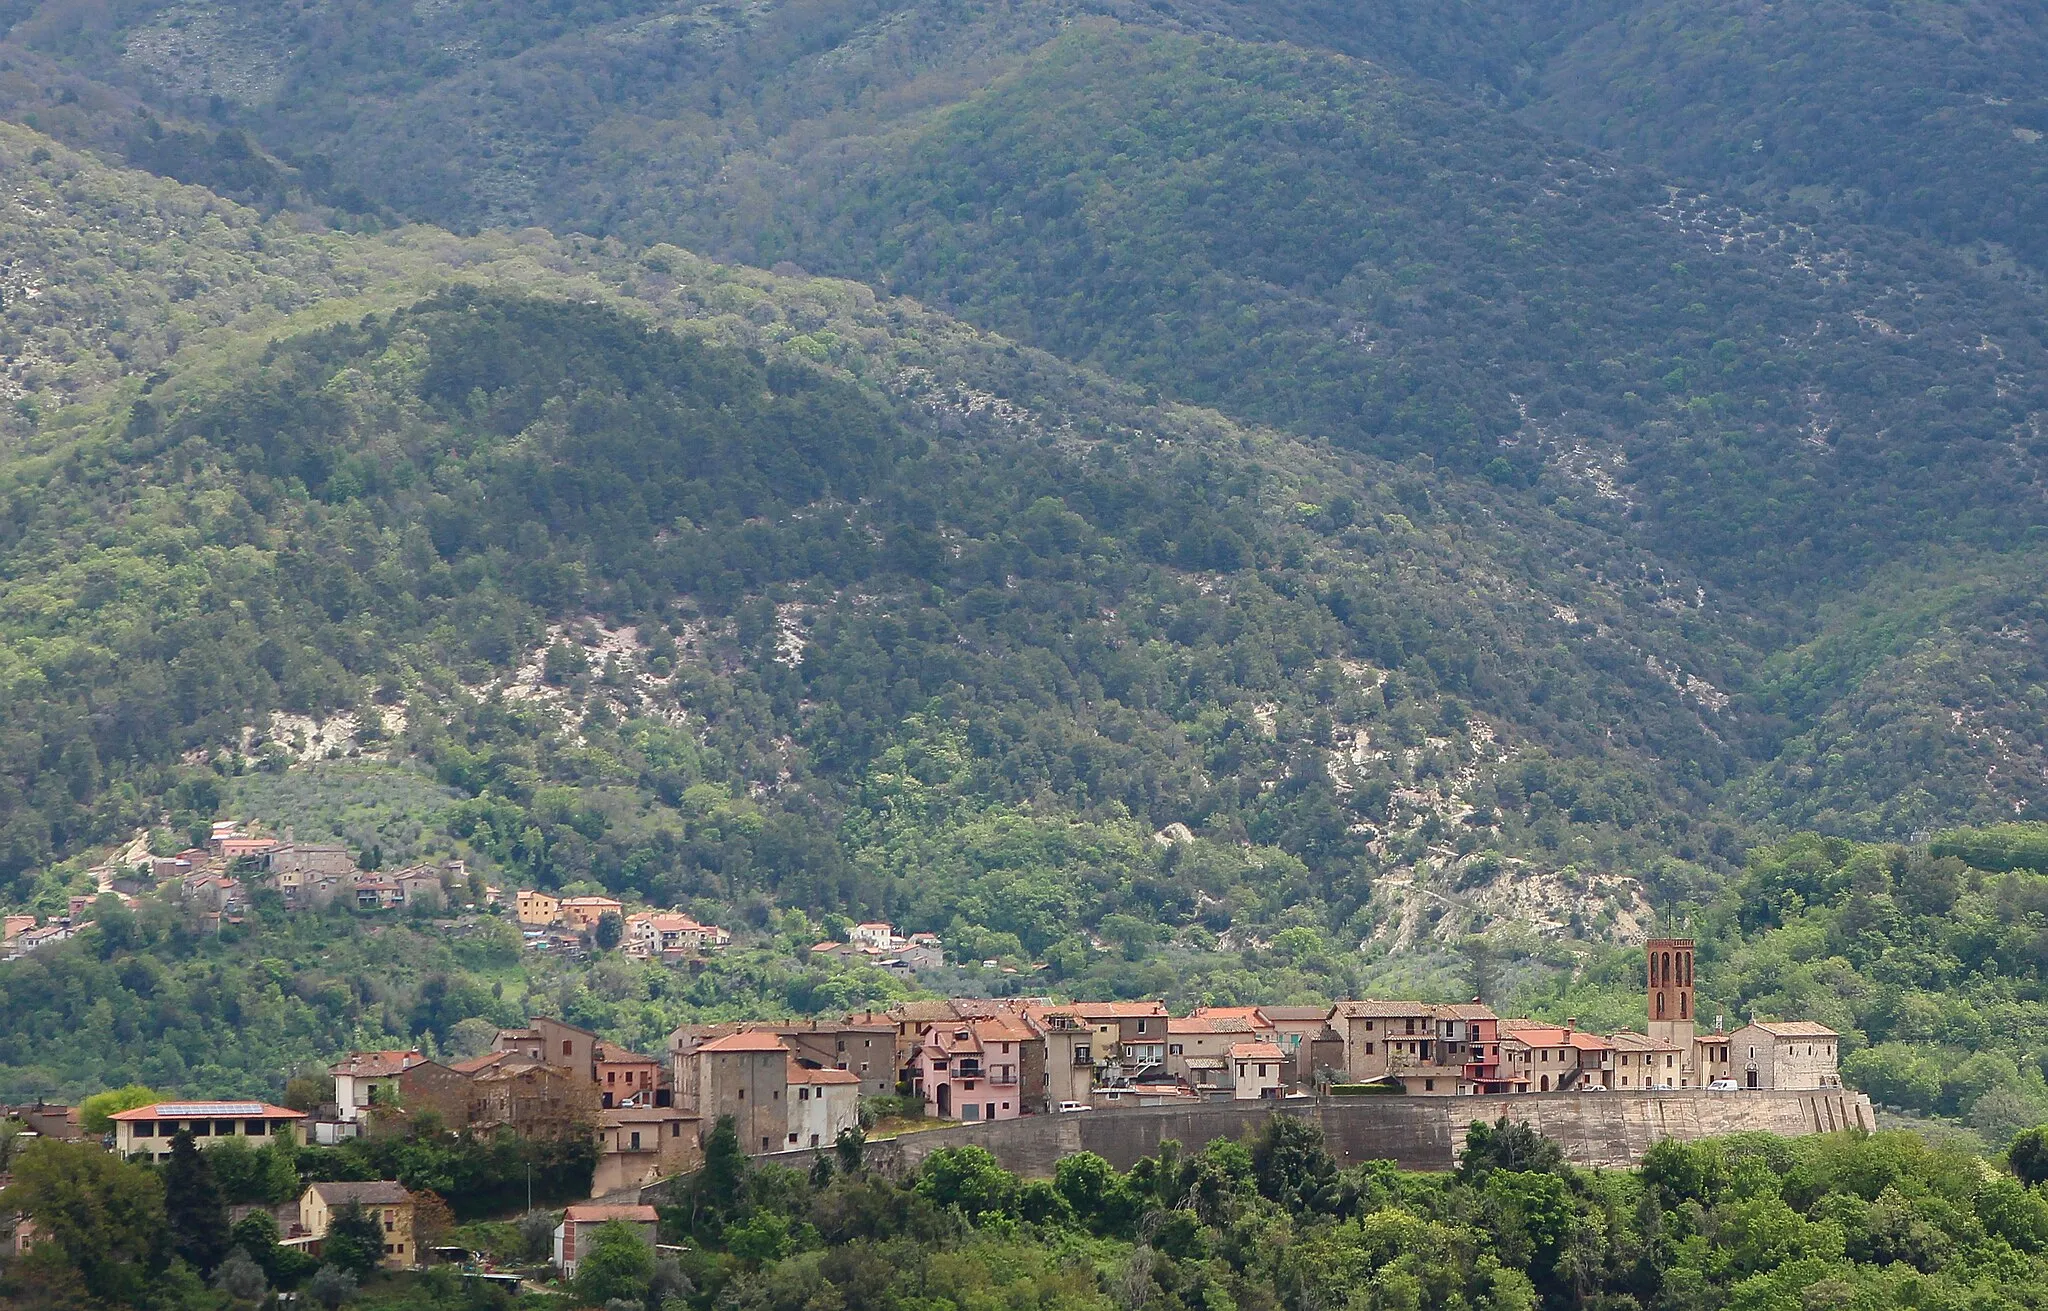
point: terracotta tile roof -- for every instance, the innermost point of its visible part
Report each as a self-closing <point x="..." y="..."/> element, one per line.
<point x="1467" y="1010"/>
<point x="209" y="1111"/>
<point x="1002" y="1027"/>
<point x="1117" y="1010"/>
<point x="1540" y="1035"/>
<point x="745" y="1042"/>
<point x="1591" y="1042"/>
<point x="1256" y="1051"/>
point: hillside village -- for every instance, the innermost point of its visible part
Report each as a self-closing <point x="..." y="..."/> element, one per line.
<point x="808" y="1087"/>
<point x="215" y="882"/>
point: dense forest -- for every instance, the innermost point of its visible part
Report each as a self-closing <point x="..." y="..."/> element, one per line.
<point x="1271" y="1221"/>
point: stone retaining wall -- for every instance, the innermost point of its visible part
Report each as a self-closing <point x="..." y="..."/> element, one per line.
<point x="1419" y="1133"/>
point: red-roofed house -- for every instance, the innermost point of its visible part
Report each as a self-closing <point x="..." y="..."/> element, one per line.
<point x="148" y="1130"/>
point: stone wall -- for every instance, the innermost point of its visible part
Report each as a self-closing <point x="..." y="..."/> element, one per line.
<point x="1419" y="1133"/>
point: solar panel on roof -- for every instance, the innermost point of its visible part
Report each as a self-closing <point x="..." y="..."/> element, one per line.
<point x="176" y="1110"/>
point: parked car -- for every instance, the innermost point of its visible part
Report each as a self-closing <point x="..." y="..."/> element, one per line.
<point x="1724" y="1085"/>
<point x="1074" y="1106"/>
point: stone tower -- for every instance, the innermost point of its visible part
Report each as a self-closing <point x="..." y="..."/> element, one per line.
<point x="1670" y="992"/>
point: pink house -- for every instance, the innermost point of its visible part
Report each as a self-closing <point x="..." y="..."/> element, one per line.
<point x="971" y="1069"/>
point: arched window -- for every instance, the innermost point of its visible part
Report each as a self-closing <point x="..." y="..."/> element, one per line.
<point x="1683" y="1009"/>
<point x="1660" y="1005"/>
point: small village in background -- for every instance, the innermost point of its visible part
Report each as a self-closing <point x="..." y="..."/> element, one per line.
<point x="801" y="1088"/>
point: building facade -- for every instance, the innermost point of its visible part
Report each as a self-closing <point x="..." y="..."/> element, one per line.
<point x="148" y="1130"/>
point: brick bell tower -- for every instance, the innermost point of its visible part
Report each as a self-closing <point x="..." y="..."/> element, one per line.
<point x="1670" y="992"/>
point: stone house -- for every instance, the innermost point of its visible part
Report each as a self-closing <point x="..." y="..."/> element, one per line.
<point x="1381" y="1037"/>
<point x="640" y="1144"/>
<point x="744" y="1075"/>
<point x="1798" y="1055"/>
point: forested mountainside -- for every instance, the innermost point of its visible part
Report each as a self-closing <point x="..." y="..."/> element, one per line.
<point x="1025" y="596"/>
<point x="1370" y="475"/>
<point x="1296" y="238"/>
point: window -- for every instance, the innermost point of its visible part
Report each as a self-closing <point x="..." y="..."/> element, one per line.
<point x="1428" y="1085"/>
<point x="1141" y="1026"/>
<point x="764" y="1142"/>
<point x="792" y="1138"/>
<point x="1173" y="1049"/>
<point x="1368" y="1049"/>
<point x="1083" y="1055"/>
<point x="567" y="1048"/>
<point x="1006" y="1106"/>
<point x="1262" y="1071"/>
<point x="255" y="1128"/>
<point x="743" y="1094"/>
<point x="636" y="1140"/>
<point x="611" y="1076"/>
<point x="803" y="1094"/>
<point x="675" y="1130"/>
<point x="145" y="1128"/>
<point x="991" y="1110"/>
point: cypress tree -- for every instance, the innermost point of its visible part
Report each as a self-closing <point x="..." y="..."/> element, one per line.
<point x="195" y="1214"/>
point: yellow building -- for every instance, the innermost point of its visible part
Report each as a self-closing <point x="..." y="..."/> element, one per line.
<point x="384" y="1200"/>
<point x="148" y="1130"/>
<point x="538" y="908"/>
